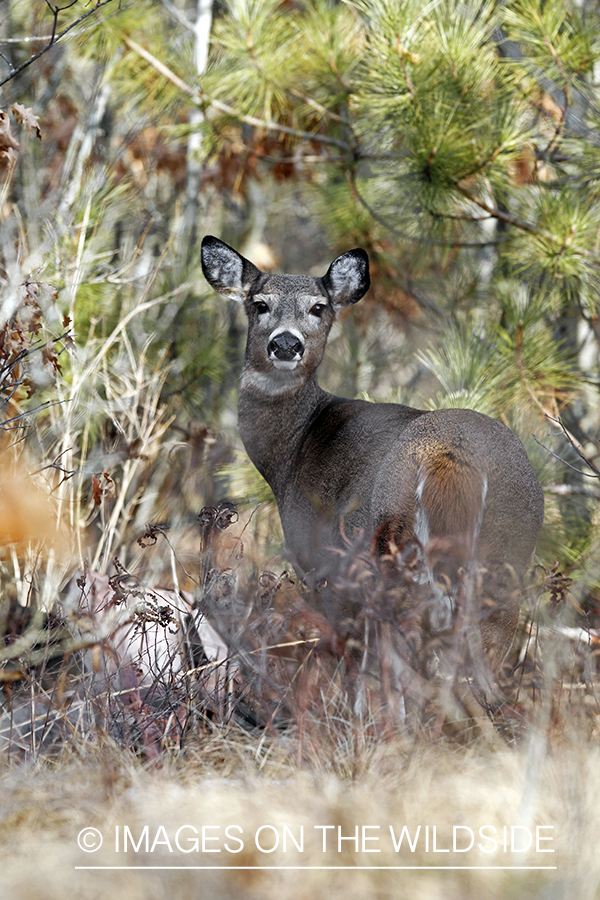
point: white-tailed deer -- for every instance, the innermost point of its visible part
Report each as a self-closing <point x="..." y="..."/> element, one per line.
<point x="339" y="467"/>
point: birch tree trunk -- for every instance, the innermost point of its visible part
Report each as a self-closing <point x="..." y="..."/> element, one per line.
<point x="195" y="164"/>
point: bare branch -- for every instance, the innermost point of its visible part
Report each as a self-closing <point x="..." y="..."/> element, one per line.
<point x="496" y="213"/>
<point x="563" y="461"/>
<point x="54" y="37"/>
<point x="177" y="14"/>
<point x="576" y="447"/>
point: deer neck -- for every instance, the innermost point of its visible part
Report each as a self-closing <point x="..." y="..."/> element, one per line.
<point x="272" y="427"/>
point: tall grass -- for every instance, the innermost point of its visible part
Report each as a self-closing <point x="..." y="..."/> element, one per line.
<point x="162" y="665"/>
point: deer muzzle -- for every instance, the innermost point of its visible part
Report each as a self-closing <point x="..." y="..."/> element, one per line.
<point x="285" y="349"/>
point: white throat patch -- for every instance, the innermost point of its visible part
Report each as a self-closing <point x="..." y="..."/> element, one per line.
<point x="278" y="381"/>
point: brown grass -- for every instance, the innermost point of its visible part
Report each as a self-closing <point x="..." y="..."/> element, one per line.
<point x="262" y="735"/>
<point x="221" y="783"/>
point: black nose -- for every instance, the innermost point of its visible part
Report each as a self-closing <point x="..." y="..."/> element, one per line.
<point x="285" y="346"/>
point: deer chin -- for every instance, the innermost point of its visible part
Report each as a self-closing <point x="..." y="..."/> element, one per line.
<point x="285" y="365"/>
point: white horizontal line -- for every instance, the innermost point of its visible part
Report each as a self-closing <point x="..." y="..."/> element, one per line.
<point x="313" y="868"/>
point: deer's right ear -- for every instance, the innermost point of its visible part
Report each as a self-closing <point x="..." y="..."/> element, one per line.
<point x="226" y="270"/>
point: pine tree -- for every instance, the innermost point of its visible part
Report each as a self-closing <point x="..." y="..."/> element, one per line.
<point x="458" y="143"/>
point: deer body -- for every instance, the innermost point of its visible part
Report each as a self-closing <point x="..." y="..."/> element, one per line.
<point x="341" y="467"/>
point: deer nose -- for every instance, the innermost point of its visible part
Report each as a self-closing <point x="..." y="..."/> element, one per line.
<point x="285" y="346"/>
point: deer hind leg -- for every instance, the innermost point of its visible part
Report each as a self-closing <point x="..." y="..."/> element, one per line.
<point x="500" y="603"/>
<point x="461" y="637"/>
<point x="450" y="498"/>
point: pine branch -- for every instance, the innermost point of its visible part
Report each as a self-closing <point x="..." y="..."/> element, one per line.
<point x="496" y="213"/>
<point x="411" y="237"/>
<point x="200" y="99"/>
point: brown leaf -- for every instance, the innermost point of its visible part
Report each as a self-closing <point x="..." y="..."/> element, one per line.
<point x="26" y="116"/>
<point x="50" y="359"/>
<point x="8" y="144"/>
<point x="12" y="341"/>
<point x="109" y="487"/>
<point x="102" y="486"/>
<point x="7" y="138"/>
<point x="8" y="158"/>
<point x="96" y="490"/>
<point x="33" y="291"/>
<point x="150" y="536"/>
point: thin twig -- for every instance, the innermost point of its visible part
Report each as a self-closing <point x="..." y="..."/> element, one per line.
<point x="564" y="461"/>
<point x="502" y="216"/>
<point x="54" y="40"/>
<point x="576" y="447"/>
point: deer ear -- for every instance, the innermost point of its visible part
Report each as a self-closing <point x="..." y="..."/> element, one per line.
<point x="347" y="279"/>
<point x="226" y="270"/>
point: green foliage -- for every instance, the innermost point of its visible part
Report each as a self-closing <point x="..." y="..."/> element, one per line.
<point x="455" y="141"/>
<point x="245" y="482"/>
<point x="558" y="253"/>
<point x="465" y="156"/>
<point x="467" y="368"/>
<point x="255" y="64"/>
<point x="557" y="39"/>
<point x="101" y="46"/>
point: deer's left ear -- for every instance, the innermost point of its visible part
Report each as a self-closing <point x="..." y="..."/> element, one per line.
<point x="347" y="278"/>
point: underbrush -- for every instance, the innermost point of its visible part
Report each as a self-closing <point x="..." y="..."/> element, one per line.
<point x="162" y="667"/>
<point x="193" y="707"/>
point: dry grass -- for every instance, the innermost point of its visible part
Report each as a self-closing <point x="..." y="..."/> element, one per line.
<point x="308" y="762"/>
<point x="220" y="784"/>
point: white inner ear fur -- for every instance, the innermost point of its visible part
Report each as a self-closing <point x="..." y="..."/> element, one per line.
<point x="233" y="294"/>
<point x="345" y="279"/>
<point x="226" y="270"/>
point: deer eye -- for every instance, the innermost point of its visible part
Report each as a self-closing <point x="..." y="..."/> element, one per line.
<point x="317" y="310"/>
<point x="261" y="307"/>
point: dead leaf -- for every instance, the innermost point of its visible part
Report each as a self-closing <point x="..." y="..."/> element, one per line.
<point x="109" y="487"/>
<point x="7" y="138"/>
<point x="103" y="486"/>
<point x="50" y="359"/>
<point x="8" y="144"/>
<point x="32" y="292"/>
<point x="96" y="490"/>
<point x="26" y="116"/>
<point x="8" y="158"/>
